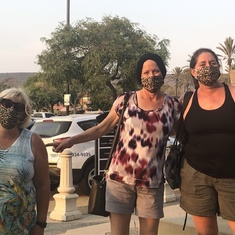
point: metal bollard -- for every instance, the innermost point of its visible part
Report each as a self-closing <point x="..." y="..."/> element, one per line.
<point x="65" y="201"/>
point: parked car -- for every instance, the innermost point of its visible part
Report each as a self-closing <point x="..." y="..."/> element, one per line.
<point x="42" y="115"/>
<point x="31" y="123"/>
<point x="62" y="127"/>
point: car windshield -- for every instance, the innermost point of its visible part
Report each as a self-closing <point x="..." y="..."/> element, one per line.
<point x="42" y="115"/>
<point x="50" y="129"/>
<point x="87" y="124"/>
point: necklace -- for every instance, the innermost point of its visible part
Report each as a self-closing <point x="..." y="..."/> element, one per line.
<point x="11" y="141"/>
<point x="3" y="152"/>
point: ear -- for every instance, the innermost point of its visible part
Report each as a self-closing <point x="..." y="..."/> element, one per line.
<point x="193" y="72"/>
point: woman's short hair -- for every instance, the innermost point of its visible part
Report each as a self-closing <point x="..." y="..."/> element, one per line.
<point x="18" y="95"/>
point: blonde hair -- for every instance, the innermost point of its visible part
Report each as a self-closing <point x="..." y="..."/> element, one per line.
<point x="18" y="95"/>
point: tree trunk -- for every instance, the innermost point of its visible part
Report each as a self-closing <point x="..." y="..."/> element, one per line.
<point x="113" y="90"/>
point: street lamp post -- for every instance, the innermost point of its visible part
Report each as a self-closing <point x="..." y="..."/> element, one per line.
<point x="68" y="12"/>
<point x="68" y="23"/>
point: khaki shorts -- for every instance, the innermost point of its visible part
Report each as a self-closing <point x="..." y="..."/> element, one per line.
<point x="203" y="195"/>
<point x="125" y="199"/>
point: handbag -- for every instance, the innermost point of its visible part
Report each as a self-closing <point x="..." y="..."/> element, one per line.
<point x="174" y="160"/>
<point x="173" y="164"/>
<point x="96" y="202"/>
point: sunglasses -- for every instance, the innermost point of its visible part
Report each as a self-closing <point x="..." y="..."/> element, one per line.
<point x="19" y="107"/>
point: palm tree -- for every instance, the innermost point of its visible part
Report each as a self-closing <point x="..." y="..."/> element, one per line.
<point x="228" y="48"/>
<point x="177" y="71"/>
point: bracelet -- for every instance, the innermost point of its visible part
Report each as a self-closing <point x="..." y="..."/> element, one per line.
<point x="41" y="224"/>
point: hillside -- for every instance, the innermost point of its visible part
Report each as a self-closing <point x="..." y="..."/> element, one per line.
<point x="14" y="79"/>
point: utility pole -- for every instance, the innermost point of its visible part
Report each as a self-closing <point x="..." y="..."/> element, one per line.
<point x="68" y="24"/>
<point x="68" y="12"/>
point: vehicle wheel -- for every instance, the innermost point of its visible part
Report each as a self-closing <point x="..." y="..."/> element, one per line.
<point x="85" y="184"/>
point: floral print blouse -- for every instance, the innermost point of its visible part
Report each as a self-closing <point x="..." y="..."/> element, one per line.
<point x="140" y="153"/>
<point x="17" y="193"/>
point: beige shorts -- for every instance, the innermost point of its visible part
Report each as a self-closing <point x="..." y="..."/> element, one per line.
<point x="125" y="199"/>
<point x="203" y="195"/>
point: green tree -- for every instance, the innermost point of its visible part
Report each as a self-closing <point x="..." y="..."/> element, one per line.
<point x="188" y="82"/>
<point x="177" y="72"/>
<point x="61" y="61"/>
<point x="40" y="94"/>
<point x="112" y="49"/>
<point x="3" y="86"/>
<point x="100" y="56"/>
<point x="228" y="48"/>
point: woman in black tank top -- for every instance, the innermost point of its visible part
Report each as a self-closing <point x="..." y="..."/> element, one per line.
<point x="208" y="175"/>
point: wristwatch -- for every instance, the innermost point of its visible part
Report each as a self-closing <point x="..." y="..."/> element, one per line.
<point x="41" y="224"/>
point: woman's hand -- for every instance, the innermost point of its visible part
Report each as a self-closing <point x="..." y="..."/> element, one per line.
<point x="59" y="146"/>
<point x="90" y="134"/>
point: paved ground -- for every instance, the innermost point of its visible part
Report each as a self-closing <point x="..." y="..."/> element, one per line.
<point x="58" y="227"/>
<point x="171" y="224"/>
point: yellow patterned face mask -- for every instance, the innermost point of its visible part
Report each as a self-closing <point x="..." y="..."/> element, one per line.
<point x="153" y="83"/>
<point x="10" y="118"/>
<point x="208" y="75"/>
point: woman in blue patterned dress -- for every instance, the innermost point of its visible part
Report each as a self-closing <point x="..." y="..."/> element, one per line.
<point x="135" y="180"/>
<point x="24" y="173"/>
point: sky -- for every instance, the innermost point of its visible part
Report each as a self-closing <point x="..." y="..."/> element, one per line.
<point x="188" y="25"/>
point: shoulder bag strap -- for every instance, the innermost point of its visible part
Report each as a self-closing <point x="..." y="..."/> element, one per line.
<point x="187" y="97"/>
<point x="115" y="139"/>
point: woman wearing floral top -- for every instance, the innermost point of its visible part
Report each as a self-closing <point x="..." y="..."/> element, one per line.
<point x="24" y="174"/>
<point x="135" y="177"/>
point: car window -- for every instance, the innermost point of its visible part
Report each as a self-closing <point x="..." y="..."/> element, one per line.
<point x="37" y="115"/>
<point x="50" y="129"/>
<point x="30" y="124"/>
<point x="49" y="115"/>
<point x="87" y="124"/>
<point x="42" y="115"/>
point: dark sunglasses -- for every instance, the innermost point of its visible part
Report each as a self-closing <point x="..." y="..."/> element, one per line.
<point x="19" y="107"/>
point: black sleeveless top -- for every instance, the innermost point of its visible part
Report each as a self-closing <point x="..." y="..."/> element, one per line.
<point x="210" y="147"/>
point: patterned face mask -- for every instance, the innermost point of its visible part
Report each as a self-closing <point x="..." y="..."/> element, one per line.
<point x="10" y="118"/>
<point x="208" y="75"/>
<point x="153" y="83"/>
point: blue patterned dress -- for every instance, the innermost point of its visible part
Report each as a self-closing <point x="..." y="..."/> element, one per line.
<point x="17" y="192"/>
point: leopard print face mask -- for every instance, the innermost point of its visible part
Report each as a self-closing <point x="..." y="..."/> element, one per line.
<point x="208" y="75"/>
<point x="9" y="117"/>
<point x="153" y="83"/>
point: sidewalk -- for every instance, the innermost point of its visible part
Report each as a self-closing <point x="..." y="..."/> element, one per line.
<point x="171" y="224"/>
<point x="60" y="227"/>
